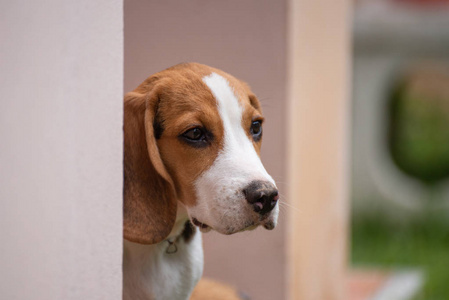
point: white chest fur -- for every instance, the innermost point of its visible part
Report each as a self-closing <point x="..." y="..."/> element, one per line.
<point x="150" y="272"/>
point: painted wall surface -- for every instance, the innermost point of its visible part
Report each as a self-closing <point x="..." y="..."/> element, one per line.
<point x="61" y="139"/>
<point x="248" y="40"/>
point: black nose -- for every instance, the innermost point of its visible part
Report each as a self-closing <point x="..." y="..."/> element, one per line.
<point x="262" y="195"/>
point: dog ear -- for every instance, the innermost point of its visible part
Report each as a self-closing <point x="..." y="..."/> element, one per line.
<point x="149" y="208"/>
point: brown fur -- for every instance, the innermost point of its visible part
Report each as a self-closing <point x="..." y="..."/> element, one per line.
<point x="149" y="197"/>
<point x="211" y="290"/>
<point x="158" y="172"/>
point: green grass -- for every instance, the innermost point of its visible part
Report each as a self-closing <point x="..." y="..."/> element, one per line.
<point x="419" y="133"/>
<point x="378" y="241"/>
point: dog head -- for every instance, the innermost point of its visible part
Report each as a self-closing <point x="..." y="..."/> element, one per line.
<point x="193" y="134"/>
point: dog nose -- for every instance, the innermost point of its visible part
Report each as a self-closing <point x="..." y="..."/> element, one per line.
<point x="262" y="195"/>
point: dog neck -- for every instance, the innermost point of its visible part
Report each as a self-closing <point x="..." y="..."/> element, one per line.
<point x="183" y="231"/>
<point x="169" y="269"/>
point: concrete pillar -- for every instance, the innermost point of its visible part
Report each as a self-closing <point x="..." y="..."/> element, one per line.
<point x="61" y="74"/>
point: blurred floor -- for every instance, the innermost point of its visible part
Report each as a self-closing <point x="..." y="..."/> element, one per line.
<point x="364" y="284"/>
<point x="383" y="285"/>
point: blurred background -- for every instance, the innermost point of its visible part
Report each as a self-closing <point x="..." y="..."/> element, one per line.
<point x="400" y="128"/>
<point x="399" y="193"/>
<point x="400" y="161"/>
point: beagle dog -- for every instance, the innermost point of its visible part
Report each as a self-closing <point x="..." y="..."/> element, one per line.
<point x="191" y="163"/>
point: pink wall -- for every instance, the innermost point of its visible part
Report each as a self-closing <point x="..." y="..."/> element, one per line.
<point x="248" y="40"/>
<point x="61" y="149"/>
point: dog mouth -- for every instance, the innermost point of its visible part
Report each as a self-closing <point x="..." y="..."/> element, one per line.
<point x="268" y="224"/>
<point x="203" y="227"/>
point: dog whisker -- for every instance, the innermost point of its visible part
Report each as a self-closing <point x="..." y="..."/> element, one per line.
<point x="287" y="205"/>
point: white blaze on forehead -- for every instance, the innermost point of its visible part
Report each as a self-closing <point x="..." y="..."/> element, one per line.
<point x="238" y="150"/>
<point x="221" y="202"/>
<point x="229" y="107"/>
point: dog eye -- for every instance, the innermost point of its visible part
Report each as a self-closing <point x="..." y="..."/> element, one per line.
<point x="194" y="134"/>
<point x="256" y="129"/>
<point x="198" y="137"/>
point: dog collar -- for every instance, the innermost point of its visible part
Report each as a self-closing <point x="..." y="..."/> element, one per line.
<point x="187" y="234"/>
<point x="172" y="248"/>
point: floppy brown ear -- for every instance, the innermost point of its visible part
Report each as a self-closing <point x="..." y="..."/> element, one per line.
<point x="149" y="206"/>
